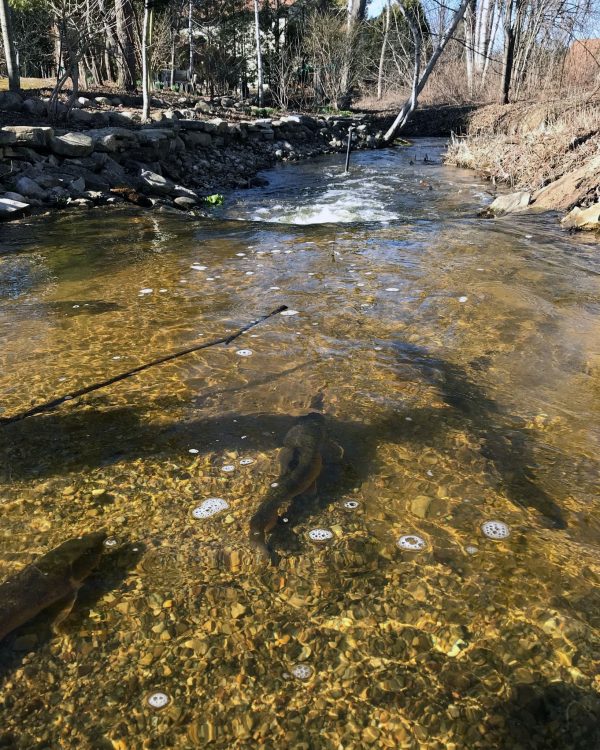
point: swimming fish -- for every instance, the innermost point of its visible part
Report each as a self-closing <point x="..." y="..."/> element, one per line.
<point x="55" y="577"/>
<point x="300" y="461"/>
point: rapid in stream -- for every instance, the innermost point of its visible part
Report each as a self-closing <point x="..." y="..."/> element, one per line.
<point x="441" y="591"/>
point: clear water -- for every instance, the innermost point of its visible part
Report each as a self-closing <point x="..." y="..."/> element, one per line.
<point x="458" y="361"/>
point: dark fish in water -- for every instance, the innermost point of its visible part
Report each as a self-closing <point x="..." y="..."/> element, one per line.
<point x="55" y="577"/>
<point x="300" y="461"/>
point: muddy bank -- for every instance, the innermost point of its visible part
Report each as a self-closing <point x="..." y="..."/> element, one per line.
<point x="105" y="155"/>
<point x="549" y="151"/>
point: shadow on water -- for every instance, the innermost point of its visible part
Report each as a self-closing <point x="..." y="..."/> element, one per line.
<point x="504" y="443"/>
<point x="110" y="574"/>
<point x="86" y="437"/>
<point x="553" y="716"/>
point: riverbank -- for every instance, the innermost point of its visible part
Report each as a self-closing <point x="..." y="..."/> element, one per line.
<point x="549" y="152"/>
<point x="190" y="150"/>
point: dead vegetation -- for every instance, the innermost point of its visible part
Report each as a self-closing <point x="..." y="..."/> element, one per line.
<point x="529" y="146"/>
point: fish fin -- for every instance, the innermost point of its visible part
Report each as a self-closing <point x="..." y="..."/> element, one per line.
<point x="65" y="606"/>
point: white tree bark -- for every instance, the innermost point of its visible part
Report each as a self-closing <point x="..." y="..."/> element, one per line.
<point x="386" y="32"/>
<point x="145" y="68"/>
<point x="10" y="53"/>
<point x="259" y="67"/>
<point x="411" y="104"/>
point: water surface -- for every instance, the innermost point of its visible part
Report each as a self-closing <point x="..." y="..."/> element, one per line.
<point x="458" y="361"/>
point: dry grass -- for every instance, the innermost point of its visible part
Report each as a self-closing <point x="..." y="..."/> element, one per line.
<point x="529" y="145"/>
<point x="29" y="83"/>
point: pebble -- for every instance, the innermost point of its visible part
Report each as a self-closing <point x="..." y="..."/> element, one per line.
<point x="244" y="352"/>
<point x="411" y="542"/>
<point x="495" y="529"/>
<point x="146" y="290"/>
<point x="158" y="700"/>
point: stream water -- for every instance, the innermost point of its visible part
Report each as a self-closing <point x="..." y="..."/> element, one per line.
<point x="457" y="363"/>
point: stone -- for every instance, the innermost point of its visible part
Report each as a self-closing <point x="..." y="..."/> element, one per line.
<point x="35" y="107"/>
<point x="28" y="187"/>
<point x="77" y="186"/>
<point x="30" y="135"/>
<point x="570" y="190"/>
<point x="10" y="101"/>
<point x="84" y="101"/>
<point x="72" y="144"/>
<point x="195" y="140"/>
<point x="583" y="218"/>
<point x="81" y="117"/>
<point x="508" y="204"/>
<point x="202" y="106"/>
<point x="227" y="101"/>
<point x="7" y="137"/>
<point x="116" y="101"/>
<point x="184" y="202"/>
<point x="12" y="209"/>
<point x="110" y="140"/>
<point x="15" y="197"/>
<point x="104" y="100"/>
<point x="155" y="184"/>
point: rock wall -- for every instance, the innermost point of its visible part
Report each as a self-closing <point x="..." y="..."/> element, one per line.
<point x="175" y="160"/>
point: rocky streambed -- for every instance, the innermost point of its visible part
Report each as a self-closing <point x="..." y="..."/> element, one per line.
<point x="107" y="156"/>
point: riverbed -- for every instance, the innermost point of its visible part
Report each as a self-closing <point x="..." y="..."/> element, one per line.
<point x="453" y="600"/>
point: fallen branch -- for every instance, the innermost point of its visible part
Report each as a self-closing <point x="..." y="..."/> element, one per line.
<point x="124" y="375"/>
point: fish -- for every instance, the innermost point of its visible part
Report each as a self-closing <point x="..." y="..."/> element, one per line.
<point x="301" y="462"/>
<point x="55" y="577"/>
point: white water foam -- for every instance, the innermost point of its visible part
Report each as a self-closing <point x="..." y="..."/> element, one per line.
<point x="335" y="206"/>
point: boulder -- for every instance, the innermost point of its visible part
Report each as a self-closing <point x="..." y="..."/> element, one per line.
<point x="202" y="106"/>
<point x="83" y="101"/>
<point x="110" y="140"/>
<point x="185" y="202"/>
<point x="194" y="140"/>
<point x="155" y="184"/>
<point x="15" y="197"/>
<point x="35" y="107"/>
<point x="508" y="204"/>
<point x="583" y="218"/>
<point x="10" y="101"/>
<point x="72" y="144"/>
<point x="7" y="137"/>
<point x="30" y="135"/>
<point x="12" y="209"/>
<point x="28" y="187"/>
<point x="572" y="189"/>
<point x="104" y="100"/>
<point x="227" y="101"/>
<point x="81" y="117"/>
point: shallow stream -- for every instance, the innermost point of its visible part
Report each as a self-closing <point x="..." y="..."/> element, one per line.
<point x="457" y="362"/>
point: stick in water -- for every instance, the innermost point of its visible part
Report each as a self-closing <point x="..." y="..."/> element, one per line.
<point x="96" y="386"/>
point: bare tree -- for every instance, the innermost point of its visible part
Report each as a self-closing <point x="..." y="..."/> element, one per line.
<point x="259" y="65"/>
<point x="420" y="81"/>
<point x="386" y="33"/>
<point x="10" y="53"/>
<point x="125" y="26"/>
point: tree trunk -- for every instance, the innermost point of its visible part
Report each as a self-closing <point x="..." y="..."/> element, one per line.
<point x="509" y="51"/>
<point x="191" y="39"/>
<point x="411" y="104"/>
<point x="125" y="35"/>
<point x="10" y="53"/>
<point x="146" y="32"/>
<point x="469" y="23"/>
<point x="356" y="10"/>
<point x="259" y="67"/>
<point x="386" y="33"/>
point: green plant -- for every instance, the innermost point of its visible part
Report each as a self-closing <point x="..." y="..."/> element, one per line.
<point x="214" y="200"/>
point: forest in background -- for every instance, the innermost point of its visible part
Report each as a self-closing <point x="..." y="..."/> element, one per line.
<point x="308" y="54"/>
